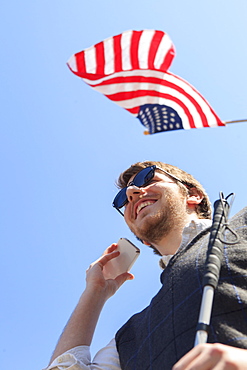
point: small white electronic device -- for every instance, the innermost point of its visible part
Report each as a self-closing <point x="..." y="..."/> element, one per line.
<point x="128" y="255"/>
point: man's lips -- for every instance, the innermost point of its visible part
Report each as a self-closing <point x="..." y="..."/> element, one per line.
<point x="142" y="204"/>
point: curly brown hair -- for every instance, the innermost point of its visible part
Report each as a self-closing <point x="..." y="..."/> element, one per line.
<point x="203" y="209"/>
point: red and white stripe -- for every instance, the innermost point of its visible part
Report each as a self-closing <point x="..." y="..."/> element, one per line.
<point x="148" y="49"/>
<point x="131" y="70"/>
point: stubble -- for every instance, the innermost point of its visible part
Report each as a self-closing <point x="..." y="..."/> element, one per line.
<point x="159" y="225"/>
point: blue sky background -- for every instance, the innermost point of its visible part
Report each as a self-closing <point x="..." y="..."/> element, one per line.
<point x="63" y="146"/>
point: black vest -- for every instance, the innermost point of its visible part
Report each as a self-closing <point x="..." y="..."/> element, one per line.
<point x="163" y="332"/>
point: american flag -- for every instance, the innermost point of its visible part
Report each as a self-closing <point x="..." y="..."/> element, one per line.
<point x="131" y="69"/>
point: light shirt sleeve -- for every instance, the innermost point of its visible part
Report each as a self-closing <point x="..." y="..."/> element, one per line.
<point x="79" y="358"/>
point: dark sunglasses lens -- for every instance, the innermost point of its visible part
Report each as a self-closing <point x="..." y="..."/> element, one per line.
<point x="120" y="199"/>
<point x="144" y="176"/>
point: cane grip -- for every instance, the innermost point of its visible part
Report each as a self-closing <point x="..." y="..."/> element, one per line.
<point x="215" y="246"/>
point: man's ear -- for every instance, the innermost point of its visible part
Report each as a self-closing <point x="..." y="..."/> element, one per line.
<point x="194" y="197"/>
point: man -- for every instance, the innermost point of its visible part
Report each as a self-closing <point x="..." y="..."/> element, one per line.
<point x="167" y="209"/>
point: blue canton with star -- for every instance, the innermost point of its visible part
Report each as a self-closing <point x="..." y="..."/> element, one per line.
<point x="157" y="118"/>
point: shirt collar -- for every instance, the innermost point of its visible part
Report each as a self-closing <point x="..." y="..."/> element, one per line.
<point x="190" y="230"/>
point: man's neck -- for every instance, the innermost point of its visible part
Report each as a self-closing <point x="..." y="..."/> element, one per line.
<point x="171" y="242"/>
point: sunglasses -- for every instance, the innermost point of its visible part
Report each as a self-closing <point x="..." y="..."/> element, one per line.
<point x="141" y="179"/>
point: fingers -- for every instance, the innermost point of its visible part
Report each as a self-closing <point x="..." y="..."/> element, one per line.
<point x="108" y="254"/>
<point x="106" y="257"/>
<point x="97" y="267"/>
<point x="110" y="249"/>
<point x="96" y="278"/>
<point x="214" y="356"/>
<point x="187" y="361"/>
<point x="123" y="277"/>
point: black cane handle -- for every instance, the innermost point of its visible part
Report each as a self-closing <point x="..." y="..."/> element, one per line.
<point x="215" y="246"/>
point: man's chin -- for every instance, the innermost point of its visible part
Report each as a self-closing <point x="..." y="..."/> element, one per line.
<point x="143" y="235"/>
<point x="153" y="232"/>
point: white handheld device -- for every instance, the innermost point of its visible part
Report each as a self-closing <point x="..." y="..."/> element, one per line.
<point x="128" y="255"/>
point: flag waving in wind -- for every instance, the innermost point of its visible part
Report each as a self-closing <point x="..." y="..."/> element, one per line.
<point x="131" y="69"/>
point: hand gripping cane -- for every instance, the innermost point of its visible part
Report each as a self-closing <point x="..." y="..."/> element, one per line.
<point x="213" y="265"/>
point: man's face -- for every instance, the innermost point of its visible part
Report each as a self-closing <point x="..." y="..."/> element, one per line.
<point x="153" y="211"/>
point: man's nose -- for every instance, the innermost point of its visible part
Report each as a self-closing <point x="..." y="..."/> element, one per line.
<point x="133" y="192"/>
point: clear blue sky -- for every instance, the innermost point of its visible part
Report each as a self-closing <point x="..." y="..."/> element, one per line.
<point x="63" y="146"/>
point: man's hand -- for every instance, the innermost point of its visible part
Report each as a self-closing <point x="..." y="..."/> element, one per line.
<point x="214" y="356"/>
<point x="81" y="325"/>
<point x="95" y="278"/>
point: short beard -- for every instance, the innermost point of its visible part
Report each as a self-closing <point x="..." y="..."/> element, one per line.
<point x="163" y="222"/>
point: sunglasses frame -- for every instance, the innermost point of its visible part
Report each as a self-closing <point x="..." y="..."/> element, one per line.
<point x="152" y="169"/>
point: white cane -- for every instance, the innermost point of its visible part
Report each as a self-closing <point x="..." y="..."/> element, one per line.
<point x="213" y="265"/>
